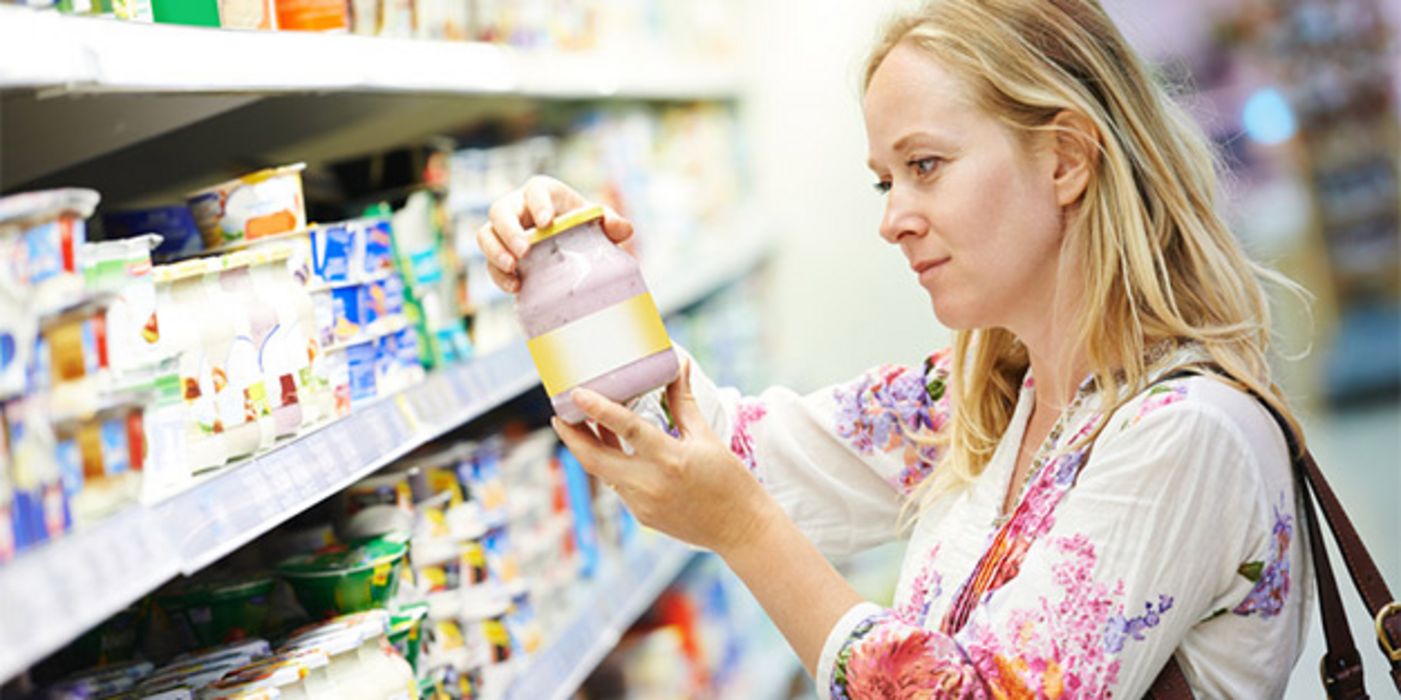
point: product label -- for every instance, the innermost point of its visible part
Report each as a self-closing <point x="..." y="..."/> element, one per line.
<point x="599" y="343"/>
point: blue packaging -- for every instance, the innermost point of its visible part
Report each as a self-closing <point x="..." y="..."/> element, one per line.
<point x="576" y="483"/>
<point x="175" y="224"/>
<point x="360" y="358"/>
<point x="379" y="247"/>
<point x="332" y="253"/>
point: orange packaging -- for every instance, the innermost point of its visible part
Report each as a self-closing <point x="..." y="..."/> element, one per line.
<point x="313" y="15"/>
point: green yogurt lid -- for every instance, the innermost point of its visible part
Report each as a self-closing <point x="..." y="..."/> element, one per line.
<point x="340" y="559"/>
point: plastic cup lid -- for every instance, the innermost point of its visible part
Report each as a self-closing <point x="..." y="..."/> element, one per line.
<point x="564" y="222"/>
<point x="27" y="207"/>
<point x="338" y="561"/>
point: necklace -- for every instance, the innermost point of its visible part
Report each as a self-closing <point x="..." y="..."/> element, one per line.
<point x="1044" y="452"/>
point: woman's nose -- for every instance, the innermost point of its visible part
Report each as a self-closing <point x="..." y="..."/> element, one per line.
<point x="901" y="220"/>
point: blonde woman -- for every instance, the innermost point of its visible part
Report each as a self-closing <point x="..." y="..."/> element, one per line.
<point x="1078" y="512"/>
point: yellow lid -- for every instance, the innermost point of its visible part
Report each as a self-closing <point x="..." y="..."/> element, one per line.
<point x="564" y="222"/>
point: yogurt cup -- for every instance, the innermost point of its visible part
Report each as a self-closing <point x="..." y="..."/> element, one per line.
<point x="257" y="205"/>
<point x="378" y="505"/>
<point x="221" y="611"/>
<point x="101" y="681"/>
<point x="44" y="232"/>
<point x="346" y="579"/>
<point x="588" y="317"/>
<point x="363" y="665"/>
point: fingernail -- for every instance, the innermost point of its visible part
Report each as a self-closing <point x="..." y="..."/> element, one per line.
<point x="556" y="423"/>
<point x="505" y="262"/>
<point x="582" y="397"/>
<point x="519" y="245"/>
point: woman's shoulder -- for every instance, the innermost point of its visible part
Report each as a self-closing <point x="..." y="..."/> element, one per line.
<point x="1203" y="413"/>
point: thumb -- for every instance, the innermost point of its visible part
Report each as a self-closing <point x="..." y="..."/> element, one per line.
<point x="681" y="401"/>
<point x="617" y="228"/>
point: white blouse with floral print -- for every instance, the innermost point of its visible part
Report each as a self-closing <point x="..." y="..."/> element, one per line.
<point x="1179" y="533"/>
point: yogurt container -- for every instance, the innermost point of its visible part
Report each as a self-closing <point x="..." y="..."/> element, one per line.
<point x="123" y="268"/>
<point x="406" y="631"/>
<point x="378" y="505"/>
<point x="363" y="665"/>
<point x="588" y="317"/>
<point x="180" y="301"/>
<point x="346" y="579"/>
<point x="261" y="204"/>
<point x="221" y="611"/>
<point x="42" y="233"/>
<point x="284" y="673"/>
<point x="101" y="681"/>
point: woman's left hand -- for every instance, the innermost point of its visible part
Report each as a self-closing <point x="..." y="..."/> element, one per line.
<point x="690" y="487"/>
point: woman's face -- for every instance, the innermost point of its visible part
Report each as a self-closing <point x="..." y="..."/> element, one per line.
<point x="970" y="204"/>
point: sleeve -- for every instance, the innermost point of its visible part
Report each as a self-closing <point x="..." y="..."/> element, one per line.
<point x="840" y="460"/>
<point x="1090" y="595"/>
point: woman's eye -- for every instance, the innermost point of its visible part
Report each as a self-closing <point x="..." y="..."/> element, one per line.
<point x="924" y="166"/>
<point x="882" y="187"/>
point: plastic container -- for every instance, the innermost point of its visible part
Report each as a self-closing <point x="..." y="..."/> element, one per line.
<point x="44" y="232"/>
<point x="363" y="665"/>
<point x="285" y="673"/>
<point x="588" y="317"/>
<point x="123" y="267"/>
<point x="375" y="506"/>
<point x="346" y="579"/>
<point x="232" y="360"/>
<point x="406" y="632"/>
<point x="180" y="301"/>
<point x="257" y="205"/>
<point x="313" y="15"/>
<point x="221" y="611"/>
<point x="101" y="681"/>
<point x="174" y="224"/>
<point x="283" y="357"/>
<point x="247" y="14"/>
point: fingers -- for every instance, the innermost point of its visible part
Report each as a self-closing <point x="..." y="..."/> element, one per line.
<point x="505" y="220"/>
<point x="644" y="437"/>
<point x="539" y="200"/>
<point x="681" y="401"/>
<point x="616" y="227"/>
<point x="594" y="455"/>
<point x="501" y="263"/>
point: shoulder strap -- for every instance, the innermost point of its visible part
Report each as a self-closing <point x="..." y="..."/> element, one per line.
<point x="1341" y="666"/>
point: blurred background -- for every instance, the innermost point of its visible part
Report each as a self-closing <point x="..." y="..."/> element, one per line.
<point x="731" y="133"/>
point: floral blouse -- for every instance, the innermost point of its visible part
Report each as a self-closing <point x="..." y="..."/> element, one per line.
<point x="1178" y="534"/>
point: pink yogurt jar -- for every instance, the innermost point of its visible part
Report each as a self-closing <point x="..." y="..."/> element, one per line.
<point x="588" y="317"/>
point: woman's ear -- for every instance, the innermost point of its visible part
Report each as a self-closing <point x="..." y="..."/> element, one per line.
<point x="1077" y="149"/>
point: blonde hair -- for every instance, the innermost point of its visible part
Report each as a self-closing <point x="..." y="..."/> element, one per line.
<point x="1160" y="265"/>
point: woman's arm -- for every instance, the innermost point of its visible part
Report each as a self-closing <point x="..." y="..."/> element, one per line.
<point x="694" y="488"/>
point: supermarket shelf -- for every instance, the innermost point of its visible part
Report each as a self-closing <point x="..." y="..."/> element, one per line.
<point x="606" y="610"/>
<point x="81" y="55"/>
<point x="53" y="594"/>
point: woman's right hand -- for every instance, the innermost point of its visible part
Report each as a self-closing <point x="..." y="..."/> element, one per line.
<point x="502" y="237"/>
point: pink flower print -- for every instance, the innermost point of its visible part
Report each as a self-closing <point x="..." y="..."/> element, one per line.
<point x="927" y="587"/>
<point x="1159" y="396"/>
<point x="887" y="660"/>
<point x="1062" y="648"/>
<point x="750" y="411"/>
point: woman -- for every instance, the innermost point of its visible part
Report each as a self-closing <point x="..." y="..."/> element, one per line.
<point x="1079" y="512"/>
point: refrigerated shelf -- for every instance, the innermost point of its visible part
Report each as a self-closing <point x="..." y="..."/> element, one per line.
<point x="52" y="594"/>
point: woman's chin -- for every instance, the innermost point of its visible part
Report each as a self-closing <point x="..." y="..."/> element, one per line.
<point x="948" y="315"/>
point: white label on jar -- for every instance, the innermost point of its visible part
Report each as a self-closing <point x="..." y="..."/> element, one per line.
<point x="599" y="343"/>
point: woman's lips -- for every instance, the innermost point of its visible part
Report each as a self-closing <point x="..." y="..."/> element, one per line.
<point x="923" y="266"/>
